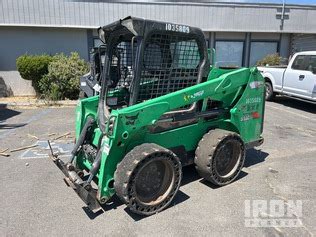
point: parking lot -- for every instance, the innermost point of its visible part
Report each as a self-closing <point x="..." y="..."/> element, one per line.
<point x="36" y="201"/>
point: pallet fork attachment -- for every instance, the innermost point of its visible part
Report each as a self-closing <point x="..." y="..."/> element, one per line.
<point x="74" y="180"/>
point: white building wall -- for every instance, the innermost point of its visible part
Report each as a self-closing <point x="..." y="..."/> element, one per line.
<point x="16" y="41"/>
<point x="208" y="16"/>
<point x="53" y="26"/>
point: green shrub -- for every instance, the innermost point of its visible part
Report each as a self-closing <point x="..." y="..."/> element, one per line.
<point x="33" y="67"/>
<point x="270" y="60"/>
<point x="62" y="79"/>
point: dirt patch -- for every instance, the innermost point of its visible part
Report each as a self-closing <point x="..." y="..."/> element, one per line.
<point x="29" y="102"/>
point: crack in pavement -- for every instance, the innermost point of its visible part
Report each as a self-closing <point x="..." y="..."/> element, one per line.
<point x="273" y="189"/>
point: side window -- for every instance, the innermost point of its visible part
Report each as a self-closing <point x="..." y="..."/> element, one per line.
<point x="229" y="54"/>
<point x="299" y="62"/>
<point x="311" y="66"/>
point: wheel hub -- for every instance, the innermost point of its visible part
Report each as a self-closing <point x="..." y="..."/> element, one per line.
<point x="227" y="159"/>
<point x="153" y="181"/>
<point x="268" y="89"/>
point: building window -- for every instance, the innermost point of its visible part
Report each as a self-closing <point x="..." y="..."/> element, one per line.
<point x="97" y="42"/>
<point x="259" y="50"/>
<point x="229" y="53"/>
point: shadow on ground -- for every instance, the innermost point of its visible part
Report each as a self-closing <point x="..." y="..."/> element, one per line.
<point x="179" y="198"/>
<point x="113" y="204"/>
<point x="296" y="104"/>
<point x="11" y="126"/>
<point x="190" y="174"/>
<point x="6" y="113"/>
<point x="254" y="156"/>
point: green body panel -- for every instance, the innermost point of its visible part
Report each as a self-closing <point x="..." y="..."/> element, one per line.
<point x="241" y="96"/>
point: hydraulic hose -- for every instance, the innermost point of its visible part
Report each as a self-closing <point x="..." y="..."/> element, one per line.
<point x="96" y="164"/>
<point x="95" y="167"/>
<point x="90" y="121"/>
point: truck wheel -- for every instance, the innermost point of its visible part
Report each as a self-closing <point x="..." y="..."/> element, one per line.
<point x="269" y="91"/>
<point x="220" y="156"/>
<point x="148" y="178"/>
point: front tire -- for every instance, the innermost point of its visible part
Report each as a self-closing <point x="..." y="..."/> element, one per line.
<point x="269" y="91"/>
<point x="220" y="156"/>
<point x="148" y="178"/>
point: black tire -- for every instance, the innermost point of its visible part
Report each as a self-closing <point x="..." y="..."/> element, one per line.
<point x="269" y="91"/>
<point x="143" y="195"/>
<point x="220" y="156"/>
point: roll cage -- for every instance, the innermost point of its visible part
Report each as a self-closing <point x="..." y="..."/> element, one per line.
<point x="146" y="59"/>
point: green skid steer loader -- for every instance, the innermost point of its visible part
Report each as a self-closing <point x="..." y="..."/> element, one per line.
<point x="161" y="107"/>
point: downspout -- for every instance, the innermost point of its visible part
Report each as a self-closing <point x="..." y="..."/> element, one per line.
<point x="282" y="15"/>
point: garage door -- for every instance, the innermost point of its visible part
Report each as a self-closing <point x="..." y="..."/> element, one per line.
<point x="303" y="42"/>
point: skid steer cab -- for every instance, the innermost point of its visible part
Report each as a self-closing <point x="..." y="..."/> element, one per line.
<point x="161" y="107"/>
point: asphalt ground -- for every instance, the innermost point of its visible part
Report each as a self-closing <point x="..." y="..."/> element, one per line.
<point x="36" y="202"/>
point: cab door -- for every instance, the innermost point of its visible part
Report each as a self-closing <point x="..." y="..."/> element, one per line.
<point x="299" y="79"/>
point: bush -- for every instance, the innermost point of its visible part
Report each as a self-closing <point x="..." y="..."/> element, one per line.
<point x="270" y="60"/>
<point x="62" y="79"/>
<point x="33" y="67"/>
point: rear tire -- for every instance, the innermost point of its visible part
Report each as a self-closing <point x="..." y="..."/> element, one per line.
<point x="269" y="91"/>
<point x="148" y="178"/>
<point x="220" y="156"/>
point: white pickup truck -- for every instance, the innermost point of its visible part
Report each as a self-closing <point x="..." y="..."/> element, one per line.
<point x="297" y="80"/>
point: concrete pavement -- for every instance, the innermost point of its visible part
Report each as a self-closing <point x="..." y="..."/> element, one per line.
<point x="36" y="202"/>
